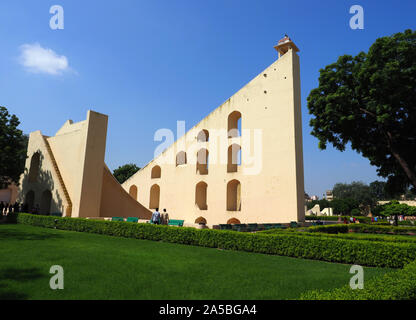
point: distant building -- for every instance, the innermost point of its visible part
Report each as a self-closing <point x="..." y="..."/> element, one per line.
<point x="8" y="194"/>
<point x="329" y="195"/>
<point x="314" y="198"/>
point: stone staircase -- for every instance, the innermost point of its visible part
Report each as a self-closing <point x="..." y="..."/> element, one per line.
<point x="61" y="181"/>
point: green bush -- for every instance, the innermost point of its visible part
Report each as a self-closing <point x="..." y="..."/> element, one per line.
<point x="389" y="229"/>
<point x="332" y="228"/>
<point x="371" y="253"/>
<point x="377" y="228"/>
<point x="397" y="285"/>
<point x="335" y="218"/>
<point x="358" y="236"/>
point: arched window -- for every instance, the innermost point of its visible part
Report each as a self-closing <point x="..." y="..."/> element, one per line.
<point x="234" y="195"/>
<point x="234" y="158"/>
<point x="233" y="221"/>
<point x="203" y="136"/>
<point x="34" y="167"/>
<point x="133" y="191"/>
<point x="30" y="200"/>
<point x="154" y="197"/>
<point x="45" y="202"/>
<point x="201" y="196"/>
<point x="201" y="220"/>
<point x="156" y="172"/>
<point x="202" y="161"/>
<point x="234" y="124"/>
<point x="181" y="158"/>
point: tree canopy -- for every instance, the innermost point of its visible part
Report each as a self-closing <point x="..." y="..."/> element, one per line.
<point x="394" y="208"/>
<point x="124" y="172"/>
<point x="369" y="102"/>
<point x="356" y="190"/>
<point x="13" y="148"/>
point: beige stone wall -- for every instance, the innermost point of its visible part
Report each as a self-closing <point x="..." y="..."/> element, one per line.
<point x="9" y="194"/>
<point x="272" y="188"/>
<point x="116" y="202"/>
<point x="71" y="166"/>
<point x="267" y="187"/>
<point x="45" y="180"/>
<point x="408" y="202"/>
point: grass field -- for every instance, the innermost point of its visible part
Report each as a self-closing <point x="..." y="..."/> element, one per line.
<point x="104" y="267"/>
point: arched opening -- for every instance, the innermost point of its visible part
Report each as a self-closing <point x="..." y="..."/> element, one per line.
<point x="233" y="221"/>
<point x="201" y="220"/>
<point x="45" y="202"/>
<point x="154" y="197"/>
<point x="133" y="191"/>
<point x="202" y="161"/>
<point x="201" y="196"/>
<point x="234" y="158"/>
<point x="203" y="136"/>
<point x="34" y="167"/>
<point x="156" y="172"/>
<point x="234" y="195"/>
<point x="181" y="158"/>
<point x="234" y="124"/>
<point x="30" y="200"/>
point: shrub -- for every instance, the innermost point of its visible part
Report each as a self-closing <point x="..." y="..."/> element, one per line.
<point x="397" y="285"/>
<point x="335" y="218"/>
<point x="371" y="253"/>
<point x="333" y="228"/>
<point x="389" y="229"/>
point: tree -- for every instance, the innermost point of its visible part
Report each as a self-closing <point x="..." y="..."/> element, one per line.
<point x="13" y="148"/>
<point x="355" y="191"/>
<point x="124" y="172"/>
<point x="378" y="190"/>
<point x="344" y="206"/>
<point x="369" y="101"/>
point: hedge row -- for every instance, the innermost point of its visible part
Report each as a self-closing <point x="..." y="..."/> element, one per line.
<point x="348" y="235"/>
<point x="335" y="218"/>
<point x="369" y="228"/>
<point x="370" y="253"/>
<point x="397" y="285"/>
<point x="357" y="227"/>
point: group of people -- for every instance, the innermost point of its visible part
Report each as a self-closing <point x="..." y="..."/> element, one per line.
<point x="6" y="208"/>
<point x="160" y="218"/>
<point x="352" y="220"/>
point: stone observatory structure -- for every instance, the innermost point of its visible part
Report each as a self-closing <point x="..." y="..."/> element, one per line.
<point x="242" y="163"/>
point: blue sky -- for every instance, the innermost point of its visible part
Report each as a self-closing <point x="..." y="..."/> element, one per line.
<point x="147" y="64"/>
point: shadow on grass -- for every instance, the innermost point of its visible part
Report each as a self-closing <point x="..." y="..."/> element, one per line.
<point x="9" y="275"/>
<point x="22" y="235"/>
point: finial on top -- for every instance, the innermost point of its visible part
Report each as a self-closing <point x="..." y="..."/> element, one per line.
<point x="284" y="45"/>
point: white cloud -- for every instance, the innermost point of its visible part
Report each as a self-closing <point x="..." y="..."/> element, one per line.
<point x="42" y="60"/>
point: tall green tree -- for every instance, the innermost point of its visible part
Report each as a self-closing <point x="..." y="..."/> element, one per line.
<point x="13" y="148"/>
<point x="378" y="190"/>
<point x="124" y="172"/>
<point x="369" y="102"/>
<point x="356" y="191"/>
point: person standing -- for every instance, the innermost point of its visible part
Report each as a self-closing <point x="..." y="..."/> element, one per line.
<point x="165" y="218"/>
<point x="156" y="217"/>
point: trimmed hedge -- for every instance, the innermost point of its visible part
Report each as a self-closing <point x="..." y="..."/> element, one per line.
<point x="362" y="219"/>
<point x="357" y="227"/>
<point x="363" y="252"/>
<point x="368" y="228"/>
<point x="397" y="285"/>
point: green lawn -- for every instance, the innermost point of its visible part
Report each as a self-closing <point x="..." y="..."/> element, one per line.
<point x="104" y="267"/>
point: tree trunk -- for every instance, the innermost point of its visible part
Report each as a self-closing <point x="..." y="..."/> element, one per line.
<point x="410" y="174"/>
<point x="403" y="163"/>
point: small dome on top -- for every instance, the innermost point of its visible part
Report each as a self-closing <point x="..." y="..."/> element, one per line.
<point x="285" y="39"/>
<point x="284" y="45"/>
